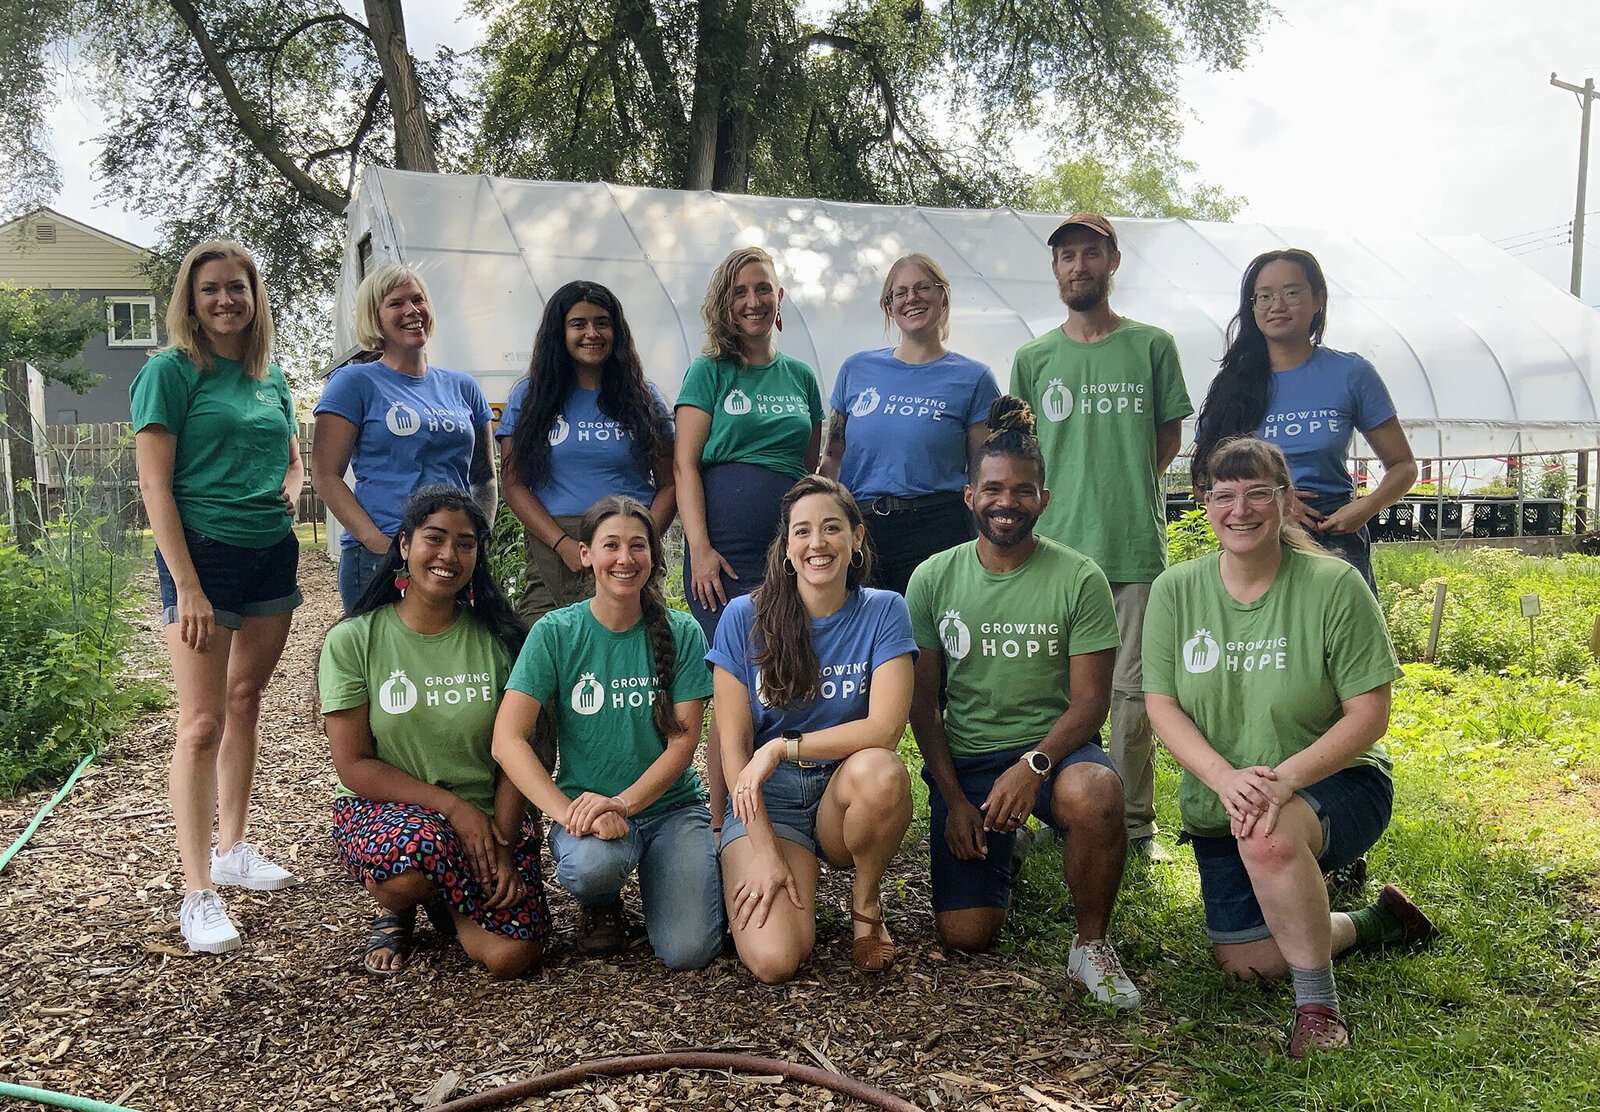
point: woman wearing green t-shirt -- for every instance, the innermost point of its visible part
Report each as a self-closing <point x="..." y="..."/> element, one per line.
<point x="749" y="424"/>
<point x="1267" y="673"/>
<point x="219" y="473"/>
<point x="409" y="684"/>
<point x="622" y="677"/>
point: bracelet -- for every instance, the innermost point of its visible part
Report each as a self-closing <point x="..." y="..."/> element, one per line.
<point x="557" y="546"/>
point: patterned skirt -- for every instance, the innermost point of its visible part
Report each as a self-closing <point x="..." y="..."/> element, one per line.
<point x="383" y="840"/>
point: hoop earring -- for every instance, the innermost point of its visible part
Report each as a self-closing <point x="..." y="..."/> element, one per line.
<point x="858" y="557"/>
<point x="788" y="566"/>
<point x="402" y="580"/>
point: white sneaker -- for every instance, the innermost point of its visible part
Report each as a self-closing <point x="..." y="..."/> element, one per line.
<point x="244" y="867"/>
<point x="205" y="923"/>
<point x="1094" y="965"/>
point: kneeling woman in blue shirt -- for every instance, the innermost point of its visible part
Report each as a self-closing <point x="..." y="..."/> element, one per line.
<point x="813" y="676"/>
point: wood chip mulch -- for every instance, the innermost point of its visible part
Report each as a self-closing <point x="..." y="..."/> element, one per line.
<point x="100" y="999"/>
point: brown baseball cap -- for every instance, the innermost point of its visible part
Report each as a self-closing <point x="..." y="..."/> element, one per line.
<point x="1091" y="220"/>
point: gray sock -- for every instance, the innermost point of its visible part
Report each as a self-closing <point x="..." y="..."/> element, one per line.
<point x="1315" y="986"/>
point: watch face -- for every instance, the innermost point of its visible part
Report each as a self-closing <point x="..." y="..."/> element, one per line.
<point x="1039" y="763"/>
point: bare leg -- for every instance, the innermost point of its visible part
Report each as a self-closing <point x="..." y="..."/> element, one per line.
<point x="971" y="930"/>
<point x="1288" y="885"/>
<point x="861" y="821"/>
<point x="256" y="650"/>
<point x="774" y="950"/>
<point x="504" y="958"/>
<point x="201" y="680"/>
<point x="1087" y="801"/>
<point x="716" y="783"/>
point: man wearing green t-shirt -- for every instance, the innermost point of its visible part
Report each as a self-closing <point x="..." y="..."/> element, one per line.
<point x="1025" y="631"/>
<point x="1111" y="401"/>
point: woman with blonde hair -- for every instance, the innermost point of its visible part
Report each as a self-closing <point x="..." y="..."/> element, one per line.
<point x="916" y="411"/>
<point x="398" y="423"/>
<point x="220" y="473"/>
<point x="749" y="424"/>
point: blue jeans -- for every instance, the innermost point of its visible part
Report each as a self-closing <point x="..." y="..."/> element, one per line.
<point x="678" y="878"/>
<point x="356" y="565"/>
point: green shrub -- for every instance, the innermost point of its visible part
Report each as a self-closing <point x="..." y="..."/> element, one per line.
<point x="1190" y="536"/>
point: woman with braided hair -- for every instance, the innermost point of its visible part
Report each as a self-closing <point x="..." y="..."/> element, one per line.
<point x="622" y="678"/>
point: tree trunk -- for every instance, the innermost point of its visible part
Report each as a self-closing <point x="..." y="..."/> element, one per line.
<point x="19" y="429"/>
<point x="413" y="137"/>
<point x="710" y="77"/>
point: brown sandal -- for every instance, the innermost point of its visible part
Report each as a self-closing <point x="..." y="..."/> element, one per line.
<point x="870" y="954"/>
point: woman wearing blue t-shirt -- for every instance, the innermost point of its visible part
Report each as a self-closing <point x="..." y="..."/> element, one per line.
<point x="624" y="677"/>
<point x="398" y="423"/>
<point x="583" y="424"/>
<point x="1278" y="382"/>
<point x="916" y="411"/>
<point x="812" y="677"/>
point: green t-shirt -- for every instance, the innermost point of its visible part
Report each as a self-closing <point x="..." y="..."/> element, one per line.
<point x="437" y="695"/>
<point x="1098" y="407"/>
<point x="1263" y="680"/>
<point x="761" y="415"/>
<point x="600" y="686"/>
<point x="233" y="444"/>
<point x="1008" y="639"/>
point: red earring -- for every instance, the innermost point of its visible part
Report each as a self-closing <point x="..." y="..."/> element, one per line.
<point x="402" y="580"/>
<point x="470" y="601"/>
<point x="780" y="320"/>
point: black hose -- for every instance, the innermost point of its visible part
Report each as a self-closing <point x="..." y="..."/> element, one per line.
<point x="682" y="1059"/>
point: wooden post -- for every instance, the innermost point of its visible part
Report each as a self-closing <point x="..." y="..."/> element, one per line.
<point x="1580" y="523"/>
<point x="22" y="495"/>
<point x="1438" y="617"/>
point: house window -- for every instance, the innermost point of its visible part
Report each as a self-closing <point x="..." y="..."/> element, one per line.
<point x="131" y="321"/>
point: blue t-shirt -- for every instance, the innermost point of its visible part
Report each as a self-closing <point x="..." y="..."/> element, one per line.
<point x="906" y="431"/>
<point x="871" y="628"/>
<point x="410" y="432"/>
<point x="591" y="454"/>
<point x="1313" y="412"/>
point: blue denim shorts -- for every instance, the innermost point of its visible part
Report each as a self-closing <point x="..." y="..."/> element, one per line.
<point x="1353" y="806"/>
<point x="239" y="582"/>
<point x="792" y="795"/>
<point x="960" y="884"/>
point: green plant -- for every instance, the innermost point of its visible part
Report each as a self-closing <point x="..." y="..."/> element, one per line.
<point x="508" y="554"/>
<point x="1189" y="536"/>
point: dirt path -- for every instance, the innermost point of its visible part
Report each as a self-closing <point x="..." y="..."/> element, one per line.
<point x="100" y="999"/>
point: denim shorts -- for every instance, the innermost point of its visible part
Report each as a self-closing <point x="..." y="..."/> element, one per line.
<point x="960" y="884"/>
<point x="1353" y="806"/>
<point x="792" y="795"/>
<point x="239" y="582"/>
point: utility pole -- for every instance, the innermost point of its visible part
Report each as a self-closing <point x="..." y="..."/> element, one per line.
<point x="1586" y="97"/>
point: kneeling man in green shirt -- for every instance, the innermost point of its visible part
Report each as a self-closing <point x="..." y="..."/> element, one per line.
<point x="1025" y="631"/>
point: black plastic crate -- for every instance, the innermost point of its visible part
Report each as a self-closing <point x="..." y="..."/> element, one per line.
<point x="1179" y="504"/>
<point x="1428" y="518"/>
<point x="1496" y="517"/>
<point x="1543" y="517"/>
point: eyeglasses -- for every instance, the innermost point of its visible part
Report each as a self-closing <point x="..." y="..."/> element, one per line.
<point x="1255" y="496"/>
<point x="923" y="290"/>
<point x="1291" y="297"/>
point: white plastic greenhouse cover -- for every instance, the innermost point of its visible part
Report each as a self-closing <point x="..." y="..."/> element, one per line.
<point x="1482" y="355"/>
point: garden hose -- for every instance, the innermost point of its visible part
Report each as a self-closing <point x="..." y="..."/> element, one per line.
<point x="57" y="1100"/>
<point x="682" y="1059"/>
<point x="22" y="839"/>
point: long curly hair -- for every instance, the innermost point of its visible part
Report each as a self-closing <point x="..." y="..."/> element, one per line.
<point x="716" y="311"/>
<point x="624" y="395"/>
<point x="1237" y="398"/>
<point x="488" y="605"/>
<point x="652" y="599"/>
<point x="785" y="652"/>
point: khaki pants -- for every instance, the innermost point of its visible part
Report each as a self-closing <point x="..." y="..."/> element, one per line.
<point x="1132" y="745"/>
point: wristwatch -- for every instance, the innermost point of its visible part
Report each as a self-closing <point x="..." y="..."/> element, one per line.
<point x="1037" y="762"/>
<point x="791" y="745"/>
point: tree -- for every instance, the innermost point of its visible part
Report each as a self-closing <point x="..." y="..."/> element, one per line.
<point x="1153" y="183"/>
<point x="49" y="332"/>
<point x="29" y="175"/>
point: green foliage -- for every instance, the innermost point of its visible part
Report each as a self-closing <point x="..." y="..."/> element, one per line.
<point x="1483" y="627"/>
<point x="31" y="176"/>
<point x="508" y="554"/>
<point x="1190" y="536"/>
<point x="1152" y="183"/>
<point x="49" y="331"/>
<point x="61" y="633"/>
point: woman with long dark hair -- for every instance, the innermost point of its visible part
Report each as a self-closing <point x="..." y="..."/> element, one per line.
<point x="583" y="424"/>
<point x="220" y="474"/>
<point x="914" y="412"/>
<point x="813" y="678"/>
<point x="1279" y="382"/>
<point x="624" y="679"/>
<point x="410" y="682"/>
<point x="1267" y="671"/>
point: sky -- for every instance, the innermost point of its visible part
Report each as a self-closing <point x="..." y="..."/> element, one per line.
<point x="1434" y="116"/>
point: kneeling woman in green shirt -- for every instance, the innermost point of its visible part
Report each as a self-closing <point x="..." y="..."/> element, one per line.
<point x="622" y="678"/>
<point x="410" y="682"/>
<point x="1267" y="673"/>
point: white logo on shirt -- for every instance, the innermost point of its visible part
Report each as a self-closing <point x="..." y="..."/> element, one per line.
<point x="559" y="430"/>
<point x="398" y="694"/>
<point x="1057" y="401"/>
<point x="865" y="402"/>
<point x="588" y="697"/>
<point x="954" y="635"/>
<point x="1201" y="652"/>
<point x="402" y="419"/>
<point x="261" y="396"/>
<point x="736" y="404"/>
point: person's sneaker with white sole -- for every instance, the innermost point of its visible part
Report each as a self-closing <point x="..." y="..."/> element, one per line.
<point x="244" y="867"/>
<point x="1095" y="966"/>
<point x="205" y="924"/>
